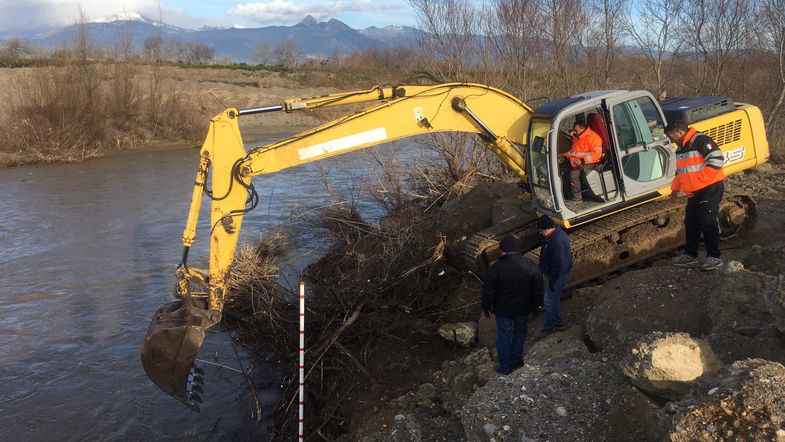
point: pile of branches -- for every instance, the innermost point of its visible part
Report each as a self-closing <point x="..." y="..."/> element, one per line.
<point x="375" y="278"/>
<point x="361" y="288"/>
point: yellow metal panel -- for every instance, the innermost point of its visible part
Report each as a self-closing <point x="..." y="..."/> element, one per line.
<point x="424" y="109"/>
<point x="740" y="135"/>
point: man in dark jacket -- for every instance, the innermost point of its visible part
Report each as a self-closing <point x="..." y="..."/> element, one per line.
<point x="556" y="266"/>
<point x="512" y="289"/>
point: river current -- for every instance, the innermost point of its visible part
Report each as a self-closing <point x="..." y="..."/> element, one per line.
<point x="87" y="255"/>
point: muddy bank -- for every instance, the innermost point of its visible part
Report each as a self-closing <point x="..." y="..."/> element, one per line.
<point x="386" y="374"/>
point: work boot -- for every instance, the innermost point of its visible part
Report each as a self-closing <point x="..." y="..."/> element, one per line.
<point x="542" y="334"/>
<point x="711" y="263"/>
<point x="685" y="261"/>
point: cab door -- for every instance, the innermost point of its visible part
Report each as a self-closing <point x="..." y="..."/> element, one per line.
<point x="643" y="153"/>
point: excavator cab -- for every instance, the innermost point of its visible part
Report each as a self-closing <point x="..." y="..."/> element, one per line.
<point x="638" y="159"/>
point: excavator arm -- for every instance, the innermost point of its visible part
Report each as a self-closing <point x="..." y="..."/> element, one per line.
<point x="178" y="328"/>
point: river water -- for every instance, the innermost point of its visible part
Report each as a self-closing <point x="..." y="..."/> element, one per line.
<point x="87" y="254"/>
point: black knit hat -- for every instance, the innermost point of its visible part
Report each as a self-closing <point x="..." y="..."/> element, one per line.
<point x="508" y="244"/>
<point x="545" y="222"/>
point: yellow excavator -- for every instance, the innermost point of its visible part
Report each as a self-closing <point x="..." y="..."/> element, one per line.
<point x="624" y="218"/>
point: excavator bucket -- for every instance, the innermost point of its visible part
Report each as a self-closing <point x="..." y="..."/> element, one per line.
<point x="170" y="348"/>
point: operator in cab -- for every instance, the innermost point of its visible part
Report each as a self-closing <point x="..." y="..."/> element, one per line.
<point x="584" y="155"/>
<point x="699" y="175"/>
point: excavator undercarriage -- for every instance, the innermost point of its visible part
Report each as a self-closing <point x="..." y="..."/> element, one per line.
<point x="612" y="243"/>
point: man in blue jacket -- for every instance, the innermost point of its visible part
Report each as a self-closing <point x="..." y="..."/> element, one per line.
<point x="512" y="288"/>
<point x="556" y="266"/>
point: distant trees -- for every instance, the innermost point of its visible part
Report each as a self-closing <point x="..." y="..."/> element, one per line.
<point x="288" y="53"/>
<point x="153" y="48"/>
<point x="264" y="53"/>
<point x="198" y="53"/>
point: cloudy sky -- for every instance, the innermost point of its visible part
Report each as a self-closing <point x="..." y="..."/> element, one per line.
<point x="18" y="14"/>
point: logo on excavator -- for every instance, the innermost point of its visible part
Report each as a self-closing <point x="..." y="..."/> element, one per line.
<point x="734" y="155"/>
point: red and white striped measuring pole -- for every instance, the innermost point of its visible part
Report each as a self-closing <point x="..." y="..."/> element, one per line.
<point x="302" y="360"/>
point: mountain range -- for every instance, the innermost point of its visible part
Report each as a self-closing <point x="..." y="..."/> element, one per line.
<point x="313" y="36"/>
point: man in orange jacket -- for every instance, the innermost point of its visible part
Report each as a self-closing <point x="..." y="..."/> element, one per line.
<point x="698" y="175"/>
<point x="584" y="154"/>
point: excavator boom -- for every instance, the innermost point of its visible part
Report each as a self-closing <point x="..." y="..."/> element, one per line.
<point x="178" y="328"/>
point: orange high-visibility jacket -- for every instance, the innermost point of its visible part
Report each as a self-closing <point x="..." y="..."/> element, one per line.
<point x="698" y="163"/>
<point x="586" y="148"/>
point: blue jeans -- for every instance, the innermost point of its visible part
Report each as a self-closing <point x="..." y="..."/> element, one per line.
<point x="552" y="303"/>
<point x="510" y="336"/>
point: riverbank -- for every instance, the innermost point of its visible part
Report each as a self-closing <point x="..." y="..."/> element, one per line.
<point x="381" y="372"/>
<point x="70" y="113"/>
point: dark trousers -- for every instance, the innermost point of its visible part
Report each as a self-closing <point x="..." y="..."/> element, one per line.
<point x="510" y="337"/>
<point x="703" y="209"/>
<point x="572" y="180"/>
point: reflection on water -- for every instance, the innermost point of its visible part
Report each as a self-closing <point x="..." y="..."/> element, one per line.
<point x="87" y="253"/>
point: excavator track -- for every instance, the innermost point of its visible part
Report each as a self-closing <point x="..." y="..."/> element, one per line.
<point x="615" y="242"/>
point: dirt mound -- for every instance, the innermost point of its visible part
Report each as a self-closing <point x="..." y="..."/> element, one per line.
<point x="733" y="311"/>
<point x="655" y="299"/>
<point x="474" y="211"/>
<point x="745" y="401"/>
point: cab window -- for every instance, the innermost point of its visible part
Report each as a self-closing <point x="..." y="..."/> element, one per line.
<point x="645" y="165"/>
<point x="638" y="124"/>
<point x="637" y="121"/>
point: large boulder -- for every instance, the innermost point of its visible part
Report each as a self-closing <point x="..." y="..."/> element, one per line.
<point x="464" y="333"/>
<point x="570" y="400"/>
<point x="667" y="364"/>
<point x="559" y="347"/>
<point x="744" y="401"/>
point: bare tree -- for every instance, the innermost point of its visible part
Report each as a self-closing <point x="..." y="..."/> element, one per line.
<point x="773" y="27"/>
<point x="563" y="23"/>
<point x="152" y="48"/>
<point x="653" y="27"/>
<point x="17" y="48"/>
<point x="513" y="29"/>
<point x="604" y="32"/>
<point x="718" y="31"/>
<point x="288" y="53"/>
<point x="123" y="43"/>
<point x="82" y="37"/>
<point x="198" y="53"/>
<point x="175" y="51"/>
<point x="263" y="54"/>
<point x="450" y="40"/>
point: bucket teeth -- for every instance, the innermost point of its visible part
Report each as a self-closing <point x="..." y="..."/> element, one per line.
<point x="196" y="388"/>
<point x="195" y="397"/>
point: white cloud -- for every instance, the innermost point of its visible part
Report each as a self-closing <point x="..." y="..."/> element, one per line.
<point x="25" y="14"/>
<point x="277" y="11"/>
